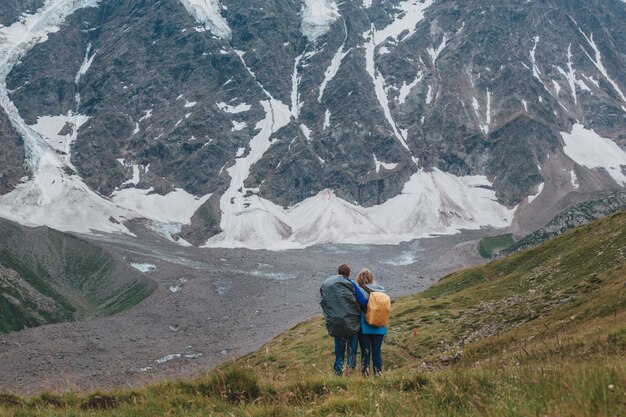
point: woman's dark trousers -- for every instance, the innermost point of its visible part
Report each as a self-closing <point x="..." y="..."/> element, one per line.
<point x="371" y="344"/>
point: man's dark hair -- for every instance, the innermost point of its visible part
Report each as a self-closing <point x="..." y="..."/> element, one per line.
<point x="344" y="270"/>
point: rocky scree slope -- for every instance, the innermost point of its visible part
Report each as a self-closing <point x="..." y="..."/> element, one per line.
<point x="573" y="217"/>
<point x="259" y="108"/>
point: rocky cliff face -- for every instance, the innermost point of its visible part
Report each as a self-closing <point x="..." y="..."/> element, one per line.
<point x="12" y="158"/>
<point x="259" y="107"/>
<point x="12" y="9"/>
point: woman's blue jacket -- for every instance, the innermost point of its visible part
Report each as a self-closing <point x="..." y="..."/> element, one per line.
<point x="363" y="296"/>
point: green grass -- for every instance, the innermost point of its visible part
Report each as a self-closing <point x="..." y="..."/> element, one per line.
<point x="555" y="390"/>
<point x="14" y="316"/>
<point x="125" y="298"/>
<point x="488" y="246"/>
<point x="17" y="310"/>
<point x="540" y="333"/>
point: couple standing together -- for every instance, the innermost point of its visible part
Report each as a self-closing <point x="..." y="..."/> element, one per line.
<point x="351" y="322"/>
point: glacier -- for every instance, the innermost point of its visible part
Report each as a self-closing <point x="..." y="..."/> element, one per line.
<point x="54" y="196"/>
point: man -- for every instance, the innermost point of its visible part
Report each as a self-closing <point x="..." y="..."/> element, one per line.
<point x="340" y="305"/>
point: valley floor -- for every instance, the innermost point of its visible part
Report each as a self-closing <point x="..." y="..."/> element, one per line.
<point x="210" y="306"/>
<point x="538" y="333"/>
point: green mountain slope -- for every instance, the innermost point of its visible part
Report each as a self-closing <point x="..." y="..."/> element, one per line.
<point x="48" y="277"/>
<point x="539" y="333"/>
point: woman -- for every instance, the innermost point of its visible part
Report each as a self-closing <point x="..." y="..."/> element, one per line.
<point x="370" y="337"/>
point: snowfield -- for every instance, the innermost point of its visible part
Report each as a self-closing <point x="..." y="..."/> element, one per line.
<point x="430" y="203"/>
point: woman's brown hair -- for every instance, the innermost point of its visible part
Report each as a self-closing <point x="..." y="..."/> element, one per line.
<point x="365" y="277"/>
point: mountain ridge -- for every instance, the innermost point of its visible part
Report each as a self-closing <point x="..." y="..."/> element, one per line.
<point x="260" y="114"/>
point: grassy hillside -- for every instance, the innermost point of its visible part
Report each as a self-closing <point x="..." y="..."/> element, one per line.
<point x="540" y="333"/>
<point x="48" y="277"/>
<point x="489" y="245"/>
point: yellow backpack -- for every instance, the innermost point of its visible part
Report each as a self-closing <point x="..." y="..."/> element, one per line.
<point x="378" y="309"/>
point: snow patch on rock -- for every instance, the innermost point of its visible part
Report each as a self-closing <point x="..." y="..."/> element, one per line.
<point x="327" y="119"/>
<point x="380" y="86"/>
<point x="84" y="67"/>
<point x="405" y="89"/>
<point x="177" y="206"/>
<point x="49" y="128"/>
<point x="238" y="125"/>
<point x="434" y="52"/>
<point x="532" y="198"/>
<point x="587" y="148"/>
<point x="332" y="69"/>
<point x="317" y="16"/>
<point x="597" y="61"/>
<point x="143" y="267"/>
<point x="135" y="179"/>
<point x="410" y="12"/>
<point x="208" y="14"/>
<point x="574" y="179"/>
<point x="386" y="165"/>
<point x="240" y="108"/>
<point x="306" y="131"/>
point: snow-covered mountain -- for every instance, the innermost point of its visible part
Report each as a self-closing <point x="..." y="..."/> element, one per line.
<point x="284" y="123"/>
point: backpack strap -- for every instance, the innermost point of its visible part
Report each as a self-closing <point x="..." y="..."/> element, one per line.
<point x="349" y="283"/>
